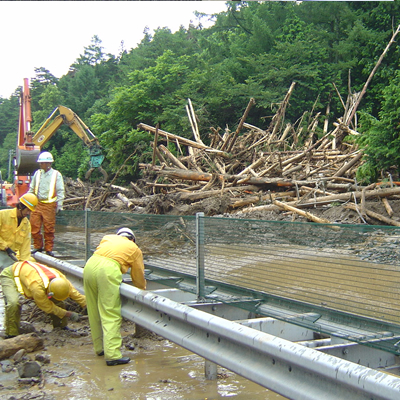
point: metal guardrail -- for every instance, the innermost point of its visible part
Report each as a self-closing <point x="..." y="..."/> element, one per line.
<point x="292" y="370"/>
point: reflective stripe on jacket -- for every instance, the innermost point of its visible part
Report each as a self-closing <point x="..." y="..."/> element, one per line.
<point x="33" y="287"/>
<point x="45" y="274"/>
<point x="52" y="187"/>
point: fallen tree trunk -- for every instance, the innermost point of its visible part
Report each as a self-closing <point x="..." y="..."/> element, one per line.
<point x="125" y="200"/>
<point x="29" y="342"/>
<point x="198" y="195"/>
<point x="196" y="176"/>
<point x="181" y="140"/>
<point x="305" y="214"/>
<point x="171" y="157"/>
<point x="253" y="199"/>
<point x="348" y="165"/>
<point x="387" y="206"/>
<point x="375" y="215"/>
<point x="330" y="199"/>
<point x="348" y="196"/>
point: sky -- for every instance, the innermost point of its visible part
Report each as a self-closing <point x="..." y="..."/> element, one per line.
<point x="52" y="34"/>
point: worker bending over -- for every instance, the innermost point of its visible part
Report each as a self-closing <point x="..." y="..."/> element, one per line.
<point x="48" y="185"/>
<point x="15" y="231"/>
<point x="46" y="286"/>
<point x="102" y="276"/>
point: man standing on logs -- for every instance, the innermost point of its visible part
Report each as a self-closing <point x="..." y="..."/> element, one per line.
<point x="46" y="286"/>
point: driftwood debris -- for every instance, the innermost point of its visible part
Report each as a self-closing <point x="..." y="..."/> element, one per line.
<point x="284" y="158"/>
<point x="375" y="215"/>
<point x="302" y="213"/>
<point x="30" y="342"/>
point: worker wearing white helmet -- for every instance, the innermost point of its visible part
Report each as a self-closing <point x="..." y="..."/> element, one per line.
<point x="102" y="277"/>
<point x="15" y="231"/>
<point x="48" y="185"/>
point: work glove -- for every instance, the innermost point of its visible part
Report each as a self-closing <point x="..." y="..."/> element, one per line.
<point x="74" y="317"/>
<point x="59" y="208"/>
<point x="11" y="253"/>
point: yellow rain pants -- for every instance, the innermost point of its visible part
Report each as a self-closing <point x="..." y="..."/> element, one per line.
<point x="102" y="278"/>
<point x="11" y="299"/>
<point x="13" y="306"/>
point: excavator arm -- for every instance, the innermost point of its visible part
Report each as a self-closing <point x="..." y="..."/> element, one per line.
<point x="68" y="117"/>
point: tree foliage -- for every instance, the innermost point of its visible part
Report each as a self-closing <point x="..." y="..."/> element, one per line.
<point x="381" y="137"/>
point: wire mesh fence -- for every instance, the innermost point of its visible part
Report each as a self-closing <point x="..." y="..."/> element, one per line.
<point x="350" y="268"/>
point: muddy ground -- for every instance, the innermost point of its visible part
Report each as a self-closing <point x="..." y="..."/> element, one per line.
<point x="334" y="212"/>
<point x="159" y="370"/>
<point x="15" y="380"/>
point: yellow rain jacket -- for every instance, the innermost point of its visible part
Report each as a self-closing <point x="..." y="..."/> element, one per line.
<point x="127" y="254"/>
<point x="34" y="287"/>
<point x="18" y="238"/>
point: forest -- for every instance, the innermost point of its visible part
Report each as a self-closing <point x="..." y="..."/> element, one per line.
<point x="254" y="50"/>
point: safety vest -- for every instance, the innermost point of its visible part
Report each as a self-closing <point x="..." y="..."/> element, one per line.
<point x="45" y="274"/>
<point x="52" y="189"/>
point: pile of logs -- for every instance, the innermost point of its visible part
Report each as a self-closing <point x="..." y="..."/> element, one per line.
<point x="258" y="166"/>
<point x="284" y="167"/>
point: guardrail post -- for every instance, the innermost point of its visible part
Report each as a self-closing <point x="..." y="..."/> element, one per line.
<point x="200" y="254"/>
<point x="210" y="370"/>
<point x="87" y="233"/>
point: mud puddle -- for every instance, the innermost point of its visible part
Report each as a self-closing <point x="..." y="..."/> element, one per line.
<point x="159" y="370"/>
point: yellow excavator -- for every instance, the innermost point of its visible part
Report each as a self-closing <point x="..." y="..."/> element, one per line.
<point x="68" y="117"/>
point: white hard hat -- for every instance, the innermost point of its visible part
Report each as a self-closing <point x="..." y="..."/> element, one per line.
<point x="45" y="157"/>
<point x="126" y="232"/>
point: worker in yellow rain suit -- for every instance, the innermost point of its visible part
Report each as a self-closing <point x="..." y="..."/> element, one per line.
<point x="102" y="276"/>
<point x="15" y="231"/>
<point x="46" y="286"/>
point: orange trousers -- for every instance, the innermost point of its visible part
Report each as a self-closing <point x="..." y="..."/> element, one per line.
<point x="44" y="214"/>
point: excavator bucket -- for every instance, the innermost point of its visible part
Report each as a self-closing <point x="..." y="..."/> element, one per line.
<point x="96" y="159"/>
<point x="101" y="170"/>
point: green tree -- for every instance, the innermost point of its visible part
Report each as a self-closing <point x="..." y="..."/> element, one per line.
<point x="38" y="85"/>
<point x="47" y="102"/>
<point x="381" y="137"/>
<point x="7" y="151"/>
<point x="9" y="113"/>
<point x="150" y="98"/>
<point x="92" y="54"/>
<point x="82" y="90"/>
